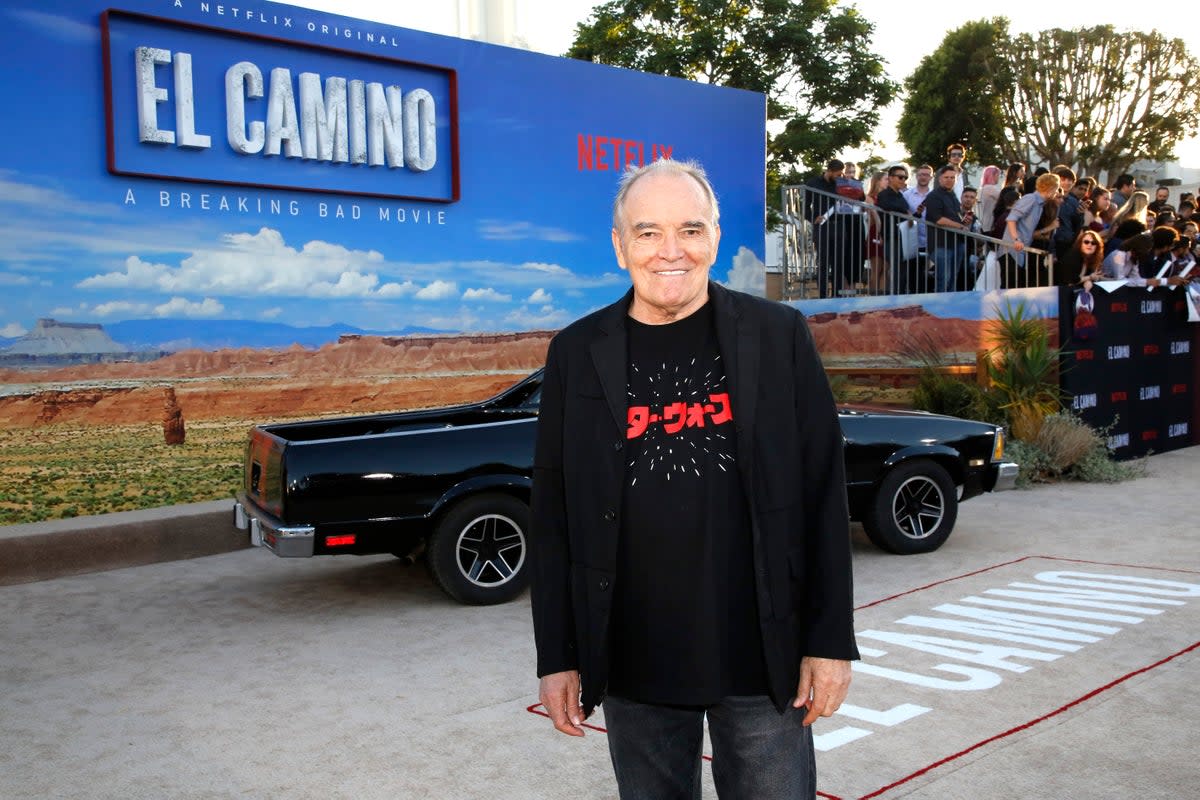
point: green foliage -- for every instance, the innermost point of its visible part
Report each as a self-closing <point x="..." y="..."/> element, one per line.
<point x="811" y="58"/>
<point x="1096" y="98"/>
<point x="951" y="97"/>
<point x="1023" y="370"/>
<point x="1068" y="449"/>
<point x="943" y="394"/>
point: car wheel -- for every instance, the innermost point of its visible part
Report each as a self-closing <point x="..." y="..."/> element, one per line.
<point x="914" y="509"/>
<point x="478" y="551"/>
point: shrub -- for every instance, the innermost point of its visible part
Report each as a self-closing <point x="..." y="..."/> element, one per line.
<point x="1067" y="448"/>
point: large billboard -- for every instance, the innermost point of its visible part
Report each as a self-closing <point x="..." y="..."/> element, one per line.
<point x="207" y="209"/>
<point x="201" y="166"/>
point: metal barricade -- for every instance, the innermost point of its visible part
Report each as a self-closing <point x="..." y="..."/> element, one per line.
<point x="836" y="247"/>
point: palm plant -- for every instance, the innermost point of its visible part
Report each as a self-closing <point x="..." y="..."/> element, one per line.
<point x="1023" y="370"/>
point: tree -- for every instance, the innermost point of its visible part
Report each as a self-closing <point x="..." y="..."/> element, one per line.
<point x="951" y="97"/>
<point x="1096" y="98"/>
<point x="810" y="58"/>
<point x="1100" y="97"/>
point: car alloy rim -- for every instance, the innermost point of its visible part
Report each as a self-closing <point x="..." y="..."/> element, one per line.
<point x="491" y="550"/>
<point x="918" y="507"/>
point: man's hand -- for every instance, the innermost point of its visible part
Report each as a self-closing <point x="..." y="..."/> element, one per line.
<point x="1018" y="245"/>
<point x="823" y="686"/>
<point x="559" y="693"/>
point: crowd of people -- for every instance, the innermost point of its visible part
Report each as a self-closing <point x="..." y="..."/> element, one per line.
<point x="1016" y="229"/>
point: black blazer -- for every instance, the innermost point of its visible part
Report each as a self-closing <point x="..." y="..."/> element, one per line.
<point x="789" y="451"/>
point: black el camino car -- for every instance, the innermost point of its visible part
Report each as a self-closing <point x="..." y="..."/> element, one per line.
<point x="454" y="483"/>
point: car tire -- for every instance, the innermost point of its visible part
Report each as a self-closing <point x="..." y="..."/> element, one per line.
<point x="914" y="510"/>
<point x="478" y="552"/>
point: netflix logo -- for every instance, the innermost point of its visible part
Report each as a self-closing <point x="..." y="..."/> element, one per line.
<point x="1150" y="350"/>
<point x="1085" y="355"/>
<point x="611" y="153"/>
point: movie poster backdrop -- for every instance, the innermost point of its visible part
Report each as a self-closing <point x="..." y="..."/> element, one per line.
<point x="201" y="174"/>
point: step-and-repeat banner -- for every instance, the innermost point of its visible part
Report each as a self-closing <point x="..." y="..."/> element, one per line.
<point x="1129" y="366"/>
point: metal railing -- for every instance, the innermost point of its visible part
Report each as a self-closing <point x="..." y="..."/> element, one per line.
<point x="835" y="247"/>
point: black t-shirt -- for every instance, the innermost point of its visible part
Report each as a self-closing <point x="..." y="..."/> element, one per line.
<point x="943" y="203"/>
<point x="685" y="623"/>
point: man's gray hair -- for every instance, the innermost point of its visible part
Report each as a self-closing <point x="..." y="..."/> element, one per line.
<point x="691" y="169"/>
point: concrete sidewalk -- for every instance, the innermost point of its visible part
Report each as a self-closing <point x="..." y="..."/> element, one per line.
<point x="244" y="675"/>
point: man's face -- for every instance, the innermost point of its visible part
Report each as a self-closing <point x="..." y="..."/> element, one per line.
<point x="1080" y="190"/>
<point x="1065" y="184"/>
<point x="897" y="180"/>
<point x="851" y="171"/>
<point x="946" y="179"/>
<point x="667" y="242"/>
<point x="924" y="176"/>
<point x="833" y="174"/>
<point x="1161" y="194"/>
<point x="968" y="201"/>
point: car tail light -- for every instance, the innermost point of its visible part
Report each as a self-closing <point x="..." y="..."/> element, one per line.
<point x="998" y="447"/>
<point x="340" y="541"/>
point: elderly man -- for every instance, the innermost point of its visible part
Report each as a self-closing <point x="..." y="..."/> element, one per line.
<point x="690" y="552"/>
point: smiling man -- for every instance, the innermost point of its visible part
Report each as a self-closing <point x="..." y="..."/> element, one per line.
<point x="690" y="551"/>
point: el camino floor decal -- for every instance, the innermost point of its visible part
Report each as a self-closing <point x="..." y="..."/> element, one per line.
<point x="948" y="667"/>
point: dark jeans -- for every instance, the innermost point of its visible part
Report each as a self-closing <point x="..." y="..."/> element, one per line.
<point x="757" y="752"/>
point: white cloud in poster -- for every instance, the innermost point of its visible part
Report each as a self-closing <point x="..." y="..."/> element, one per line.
<point x="12" y="330"/>
<point x="489" y="295"/>
<point x="748" y="273"/>
<point x="14" y="279"/>
<point x="182" y="307"/>
<point x="270" y="313"/>
<point x="540" y="297"/>
<point x="253" y="264"/>
<point x="120" y="307"/>
<point x="438" y="290"/>
<point x="389" y="290"/>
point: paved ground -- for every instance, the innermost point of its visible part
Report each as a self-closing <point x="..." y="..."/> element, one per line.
<point x="246" y="676"/>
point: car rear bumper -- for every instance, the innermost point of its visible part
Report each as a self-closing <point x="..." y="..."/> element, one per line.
<point x="1006" y="476"/>
<point x="266" y="530"/>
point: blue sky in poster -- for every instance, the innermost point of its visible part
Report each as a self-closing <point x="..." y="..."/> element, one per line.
<point x="527" y="245"/>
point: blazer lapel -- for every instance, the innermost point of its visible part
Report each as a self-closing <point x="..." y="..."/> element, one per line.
<point x="609" y="356"/>
<point x="741" y="357"/>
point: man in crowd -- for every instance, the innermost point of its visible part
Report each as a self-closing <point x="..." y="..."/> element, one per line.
<point x="818" y="208"/>
<point x="955" y="154"/>
<point x="1122" y="189"/>
<point x="712" y="582"/>
<point x="1070" y="212"/>
<point x="1187" y="209"/>
<point x="944" y="211"/>
<point x="915" y="197"/>
<point x="891" y="199"/>
<point x="1020" y="226"/>
<point x="850" y="228"/>
<point x="1162" y="201"/>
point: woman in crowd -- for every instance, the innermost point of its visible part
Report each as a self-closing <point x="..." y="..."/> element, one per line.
<point x="877" y="277"/>
<point x="1015" y="177"/>
<point x="989" y="194"/>
<point x="1135" y="208"/>
<point x="1009" y="195"/>
<point x="1082" y="262"/>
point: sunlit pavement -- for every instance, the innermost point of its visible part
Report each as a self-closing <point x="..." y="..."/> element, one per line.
<point x="1049" y="649"/>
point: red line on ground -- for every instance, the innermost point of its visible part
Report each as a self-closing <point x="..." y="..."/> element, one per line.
<point x="1111" y="564"/>
<point x="946" y="580"/>
<point x="1031" y="723"/>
